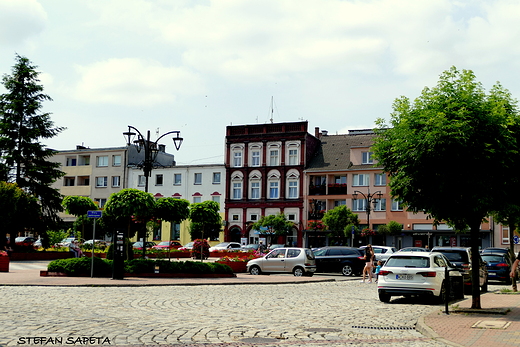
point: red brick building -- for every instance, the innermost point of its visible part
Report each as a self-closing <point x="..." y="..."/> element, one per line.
<point x="264" y="174"/>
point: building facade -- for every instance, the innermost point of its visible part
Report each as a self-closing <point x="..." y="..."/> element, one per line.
<point x="343" y="172"/>
<point x="264" y="176"/>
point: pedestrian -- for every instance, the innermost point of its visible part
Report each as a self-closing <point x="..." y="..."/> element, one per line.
<point x="515" y="266"/>
<point x="261" y="247"/>
<point x="369" y="263"/>
<point x="378" y="268"/>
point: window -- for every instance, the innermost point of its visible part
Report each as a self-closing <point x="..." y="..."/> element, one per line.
<point x="255" y="158"/>
<point x="505" y="235"/>
<point x="235" y="217"/>
<point x="177" y="179"/>
<point x="367" y="158"/>
<point x="70" y="161"/>
<point x="116" y="181"/>
<point x="68" y="181"/>
<point x="293" y="189"/>
<point x="339" y="203"/>
<point x="101" y="182"/>
<point x="216" y="198"/>
<point x="255" y="190"/>
<point x="197" y="199"/>
<point x="253" y="217"/>
<point x="100" y="202"/>
<point x="216" y="178"/>
<point x="197" y="178"/>
<point x="291" y="217"/>
<point x="116" y="160"/>
<point x="84" y="160"/>
<point x="380" y="179"/>
<point x="83" y="180"/>
<point x="102" y="161"/>
<point x="273" y="157"/>
<point x="380" y="205"/>
<point x="396" y="205"/>
<point x="141" y="180"/>
<point x="359" y="205"/>
<point x="273" y="190"/>
<point x="237" y="190"/>
<point x="159" y="180"/>
<point x="340" y="179"/>
<point x="360" y="180"/>
<point x="293" y="157"/>
<point x="237" y="159"/>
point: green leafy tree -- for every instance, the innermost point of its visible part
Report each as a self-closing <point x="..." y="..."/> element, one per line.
<point x="205" y="220"/>
<point x="18" y="211"/>
<point x="23" y="158"/>
<point x="435" y="145"/>
<point x="275" y="224"/>
<point x="79" y="206"/>
<point x="129" y="209"/>
<point x="339" y="220"/>
<point x="172" y="210"/>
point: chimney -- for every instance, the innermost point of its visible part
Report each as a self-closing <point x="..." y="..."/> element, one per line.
<point x="317" y="132"/>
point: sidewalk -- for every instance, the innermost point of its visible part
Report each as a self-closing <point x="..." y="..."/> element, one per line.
<point x="461" y="328"/>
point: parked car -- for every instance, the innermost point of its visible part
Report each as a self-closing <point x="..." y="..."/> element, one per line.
<point x="498" y="266"/>
<point x="495" y="250"/>
<point x="250" y="247"/>
<point x="188" y="246"/>
<point x="139" y="244"/>
<point x="168" y="244"/>
<point x="67" y="241"/>
<point x="275" y="246"/>
<point x="381" y="252"/>
<point x="225" y="245"/>
<point x="346" y="260"/>
<point x="24" y="241"/>
<point x="414" y="249"/>
<point x="38" y="243"/>
<point x="99" y="243"/>
<point x="418" y="273"/>
<point x="460" y="257"/>
<point x="299" y="261"/>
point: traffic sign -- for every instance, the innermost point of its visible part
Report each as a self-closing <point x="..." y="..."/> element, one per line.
<point x="94" y="214"/>
<point x="516" y="239"/>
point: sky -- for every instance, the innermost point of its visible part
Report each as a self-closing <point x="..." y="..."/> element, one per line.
<point x="199" y="66"/>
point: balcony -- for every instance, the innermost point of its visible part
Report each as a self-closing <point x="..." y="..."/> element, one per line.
<point x="317" y="190"/>
<point x="337" y="189"/>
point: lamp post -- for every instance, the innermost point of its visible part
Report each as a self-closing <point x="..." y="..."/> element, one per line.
<point x="369" y="198"/>
<point x="151" y="150"/>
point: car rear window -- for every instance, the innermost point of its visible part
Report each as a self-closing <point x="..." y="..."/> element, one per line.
<point x="456" y="256"/>
<point x="492" y="257"/>
<point x="408" y="261"/>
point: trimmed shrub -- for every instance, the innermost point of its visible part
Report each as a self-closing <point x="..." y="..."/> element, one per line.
<point x="81" y="266"/>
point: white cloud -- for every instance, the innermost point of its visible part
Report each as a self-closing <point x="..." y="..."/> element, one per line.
<point x="20" y="20"/>
<point x="134" y="82"/>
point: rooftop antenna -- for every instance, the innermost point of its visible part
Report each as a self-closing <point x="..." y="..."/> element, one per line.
<point x="271" y="110"/>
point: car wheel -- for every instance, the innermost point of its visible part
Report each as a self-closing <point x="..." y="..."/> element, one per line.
<point x="298" y="272"/>
<point x="384" y="297"/>
<point x="442" y="294"/>
<point x="347" y="270"/>
<point x="255" y="270"/>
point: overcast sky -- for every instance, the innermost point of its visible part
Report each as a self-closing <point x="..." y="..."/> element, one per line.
<point x="198" y="66"/>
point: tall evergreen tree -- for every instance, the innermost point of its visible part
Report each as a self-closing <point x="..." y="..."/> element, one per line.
<point x="23" y="158"/>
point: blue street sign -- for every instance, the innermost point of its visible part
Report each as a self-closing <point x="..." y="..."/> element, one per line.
<point x="94" y="214"/>
<point x="353" y="230"/>
<point x="516" y="239"/>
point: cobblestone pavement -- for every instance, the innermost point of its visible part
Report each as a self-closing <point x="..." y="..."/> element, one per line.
<point x="341" y="313"/>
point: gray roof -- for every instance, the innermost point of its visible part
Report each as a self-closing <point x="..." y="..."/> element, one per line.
<point x="334" y="152"/>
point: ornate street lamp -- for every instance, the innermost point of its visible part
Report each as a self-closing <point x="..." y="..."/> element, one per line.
<point x="369" y="198"/>
<point x="151" y="150"/>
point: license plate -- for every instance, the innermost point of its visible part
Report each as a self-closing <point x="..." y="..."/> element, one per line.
<point x="404" y="277"/>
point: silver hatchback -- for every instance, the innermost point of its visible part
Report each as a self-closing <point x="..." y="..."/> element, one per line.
<point x="299" y="261"/>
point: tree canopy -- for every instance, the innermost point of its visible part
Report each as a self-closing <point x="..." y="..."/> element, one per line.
<point x="275" y="224"/>
<point x="453" y="153"/>
<point x="339" y="220"/>
<point x="23" y="158"/>
<point x="205" y="219"/>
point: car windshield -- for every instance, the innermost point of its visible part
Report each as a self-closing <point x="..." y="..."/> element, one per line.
<point x="164" y="243"/>
<point x="408" y="261"/>
<point x="320" y="252"/>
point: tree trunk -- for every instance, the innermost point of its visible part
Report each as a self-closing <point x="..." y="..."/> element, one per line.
<point x="475" y="265"/>
<point x="512" y="228"/>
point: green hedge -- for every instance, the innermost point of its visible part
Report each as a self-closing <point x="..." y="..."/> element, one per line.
<point x="103" y="267"/>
